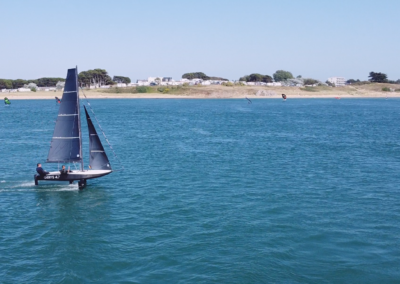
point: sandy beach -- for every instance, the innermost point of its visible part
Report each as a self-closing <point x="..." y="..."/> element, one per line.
<point x="223" y="92"/>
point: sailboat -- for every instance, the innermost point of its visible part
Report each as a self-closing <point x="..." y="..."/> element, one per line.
<point x="66" y="144"/>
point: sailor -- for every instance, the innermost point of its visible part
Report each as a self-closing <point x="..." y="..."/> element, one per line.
<point x="64" y="170"/>
<point x="40" y="170"/>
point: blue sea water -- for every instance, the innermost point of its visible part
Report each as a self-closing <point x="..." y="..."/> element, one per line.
<point x="213" y="191"/>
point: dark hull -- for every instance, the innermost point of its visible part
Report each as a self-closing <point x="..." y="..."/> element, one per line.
<point x="76" y="175"/>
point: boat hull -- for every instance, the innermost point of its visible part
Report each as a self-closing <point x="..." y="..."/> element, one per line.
<point x="74" y="175"/>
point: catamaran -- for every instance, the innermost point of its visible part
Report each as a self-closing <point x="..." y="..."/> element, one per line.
<point x="66" y="144"/>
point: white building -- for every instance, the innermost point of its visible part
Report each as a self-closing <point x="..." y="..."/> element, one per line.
<point x="142" y="82"/>
<point x="338" y="81"/>
<point x="275" y="84"/>
<point x="24" y="90"/>
<point x="153" y="79"/>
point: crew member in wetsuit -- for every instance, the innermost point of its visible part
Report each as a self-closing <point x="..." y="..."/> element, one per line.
<point x="64" y="171"/>
<point x="40" y="170"/>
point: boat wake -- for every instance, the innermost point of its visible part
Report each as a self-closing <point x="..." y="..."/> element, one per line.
<point x="201" y="131"/>
<point x="69" y="187"/>
<point x="31" y="187"/>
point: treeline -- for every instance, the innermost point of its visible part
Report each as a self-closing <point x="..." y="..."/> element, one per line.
<point x="121" y="79"/>
<point x="201" y="75"/>
<point x="278" y="76"/>
<point x="19" y="83"/>
<point x="255" y="77"/>
<point x="99" y="77"/>
<point x="374" y="77"/>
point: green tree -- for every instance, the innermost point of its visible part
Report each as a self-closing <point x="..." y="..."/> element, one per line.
<point x="97" y="77"/>
<point x="352" y="81"/>
<point x="47" y="82"/>
<point x="19" y="83"/>
<point x="282" y="75"/>
<point x="255" y="77"/>
<point x="84" y="79"/>
<point x="218" y="78"/>
<point x="377" y="77"/>
<point x="6" y="84"/>
<point x="121" y="79"/>
<point x="195" y="75"/>
<point x="330" y="84"/>
<point x="310" y="81"/>
<point x="267" y="79"/>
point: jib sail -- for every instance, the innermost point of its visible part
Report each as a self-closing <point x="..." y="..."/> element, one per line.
<point x="98" y="159"/>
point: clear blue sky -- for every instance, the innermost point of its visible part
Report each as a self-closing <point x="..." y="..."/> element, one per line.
<point x="138" y="39"/>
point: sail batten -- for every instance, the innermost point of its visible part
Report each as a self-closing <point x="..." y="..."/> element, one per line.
<point x="66" y="144"/>
<point x="66" y="137"/>
<point x="98" y="159"/>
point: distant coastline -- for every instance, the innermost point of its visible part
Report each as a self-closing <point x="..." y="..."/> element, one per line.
<point x="224" y="92"/>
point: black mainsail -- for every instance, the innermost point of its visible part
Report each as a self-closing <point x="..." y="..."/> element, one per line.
<point x="66" y="144"/>
<point x="98" y="157"/>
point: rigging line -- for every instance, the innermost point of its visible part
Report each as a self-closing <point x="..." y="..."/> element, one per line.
<point x="102" y="131"/>
<point x="75" y="165"/>
<point x="70" y="144"/>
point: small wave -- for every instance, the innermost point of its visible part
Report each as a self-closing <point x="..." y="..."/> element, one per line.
<point x="242" y="109"/>
<point x="24" y="184"/>
<point x="201" y="131"/>
<point x="186" y="148"/>
<point x="2" y="181"/>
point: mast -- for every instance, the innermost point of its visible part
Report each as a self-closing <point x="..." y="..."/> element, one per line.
<point x="79" y="117"/>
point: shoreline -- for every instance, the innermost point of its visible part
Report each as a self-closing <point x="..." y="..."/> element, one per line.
<point x="221" y="92"/>
<point x="199" y="97"/>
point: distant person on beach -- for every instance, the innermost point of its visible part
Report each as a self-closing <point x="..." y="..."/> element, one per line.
<point x="64" y="170"/>
<point x="40" y="170"/>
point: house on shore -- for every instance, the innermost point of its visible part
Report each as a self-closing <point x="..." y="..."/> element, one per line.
<point x="338" y="81"/>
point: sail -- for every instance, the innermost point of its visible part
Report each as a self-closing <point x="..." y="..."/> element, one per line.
<point x="6" y="101"/>
<point x="98" y="157"/>
<point x="66" y="144"/>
